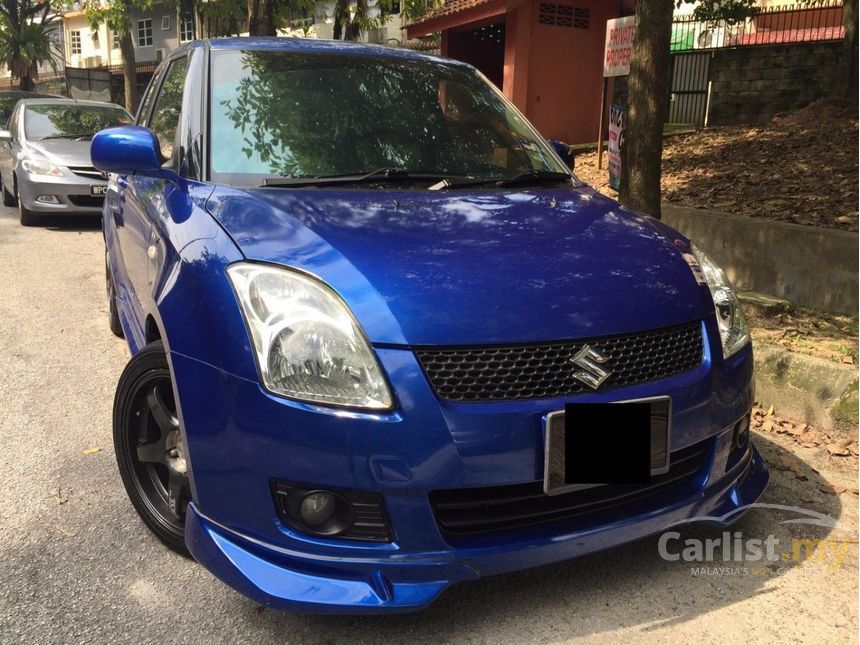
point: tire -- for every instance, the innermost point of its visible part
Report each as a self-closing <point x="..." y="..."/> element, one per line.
<point x="149" y="446"/>
<point x="28" y="217"/>
<point x="8" y="198"/>
<point x="113" y="313"/>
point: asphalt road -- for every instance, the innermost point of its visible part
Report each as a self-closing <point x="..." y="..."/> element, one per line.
<point x="77" y="566"/>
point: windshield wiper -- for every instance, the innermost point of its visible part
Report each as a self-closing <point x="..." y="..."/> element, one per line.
<point x="374" y="176"/>
<point x="68" y="135"/>
<point x="525" y="177"/>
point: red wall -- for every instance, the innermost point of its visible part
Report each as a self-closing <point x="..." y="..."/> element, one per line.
<point x="554" y="73"/>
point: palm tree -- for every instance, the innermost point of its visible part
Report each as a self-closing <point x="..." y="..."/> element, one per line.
<point x="350" y="19"/>
<point x="25" y="39"/>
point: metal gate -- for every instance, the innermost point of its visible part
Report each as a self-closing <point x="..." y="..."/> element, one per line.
<point x="690" y="77"/>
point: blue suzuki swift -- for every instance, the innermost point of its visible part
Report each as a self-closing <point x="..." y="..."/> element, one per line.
<point x="383" y="341"/>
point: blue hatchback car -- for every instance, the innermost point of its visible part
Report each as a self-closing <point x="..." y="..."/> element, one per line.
<point x="383" y="341"/>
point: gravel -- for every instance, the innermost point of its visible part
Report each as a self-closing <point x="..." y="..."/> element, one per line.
<point x="76" y="565"/>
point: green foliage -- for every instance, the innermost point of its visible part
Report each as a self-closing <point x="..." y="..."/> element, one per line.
<point x="24" y="49"/>
<point x="223" y="17"/>
<point x="351" y="17"/>
<point x="25" y="39"/>
<point x="412" y="10"/>
<point x="730" y="11"/>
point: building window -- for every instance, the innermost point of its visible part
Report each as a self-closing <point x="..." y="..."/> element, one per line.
<point x="165" y="23"/>
<point x="75" y="41"/>
<point x="144" y="32"/>
<point x="186" y="29"/>
<point x="114" y="42"/>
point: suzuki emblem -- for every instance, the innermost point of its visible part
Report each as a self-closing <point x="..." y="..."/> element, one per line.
<point x="589" y="360"/>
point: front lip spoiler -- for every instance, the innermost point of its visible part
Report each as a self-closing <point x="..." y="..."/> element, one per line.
<point x="308" y="583"/>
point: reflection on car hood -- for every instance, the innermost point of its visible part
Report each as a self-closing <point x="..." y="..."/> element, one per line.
<point x="64" y="152"/>
<point x="480" y="267"/>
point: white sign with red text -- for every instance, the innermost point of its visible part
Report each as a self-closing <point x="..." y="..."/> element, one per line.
<point x="620" y="33"/>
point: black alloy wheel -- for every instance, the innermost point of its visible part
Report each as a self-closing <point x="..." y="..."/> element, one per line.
<point x="149" y="445"/>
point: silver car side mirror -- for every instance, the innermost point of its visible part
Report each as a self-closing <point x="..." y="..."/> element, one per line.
<point x="5" y="135"/>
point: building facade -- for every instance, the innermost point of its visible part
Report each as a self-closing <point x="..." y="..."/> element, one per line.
<point x="545" y="55"/>
<point x="154" y="33"/>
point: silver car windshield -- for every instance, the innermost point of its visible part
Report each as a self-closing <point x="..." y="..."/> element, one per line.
<point x="57" y="121"/>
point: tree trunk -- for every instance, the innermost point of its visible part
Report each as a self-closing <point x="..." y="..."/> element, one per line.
<point x="341" y="18"/>
<point x="648" y="89"/>
<point x="261" y="19"/>
<point x="129" y="68"/>
<point x="353" y="31"/>
<point x="26" y="82"/>
<point x="848" y="65"/>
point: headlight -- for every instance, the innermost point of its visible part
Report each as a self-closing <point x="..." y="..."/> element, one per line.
<point x="734" y="331"/>
<point x="41" y="167"/>
<point x="308" y="345"/>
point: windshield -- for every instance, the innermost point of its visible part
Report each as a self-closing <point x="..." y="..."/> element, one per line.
<point x="58" y="121"/>
<point x="287" y="114"/>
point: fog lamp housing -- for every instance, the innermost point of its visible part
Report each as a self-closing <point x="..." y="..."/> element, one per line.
<point x="48" y="199"/>
<point x="348" y="515"/>
<point x="740" y="442"/>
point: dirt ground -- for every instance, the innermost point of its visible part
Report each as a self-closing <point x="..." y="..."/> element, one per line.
<point x="801" y="168"/>
<point x="824" y="334"/>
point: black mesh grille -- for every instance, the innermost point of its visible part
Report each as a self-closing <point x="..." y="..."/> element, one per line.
<point x="539" y="371"/>
<point x="500" y="508"/>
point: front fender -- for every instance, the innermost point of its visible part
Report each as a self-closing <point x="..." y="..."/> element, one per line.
<point x="192" y="303"/>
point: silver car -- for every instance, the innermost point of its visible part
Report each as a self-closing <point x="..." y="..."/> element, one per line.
<point x="45" y="165"/>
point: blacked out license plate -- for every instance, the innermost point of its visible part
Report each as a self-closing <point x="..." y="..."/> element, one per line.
<point x="590" y="444"/>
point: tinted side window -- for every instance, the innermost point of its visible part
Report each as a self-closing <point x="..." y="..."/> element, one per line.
<point x="168" y="106"/>
<point x="146" y="104"/>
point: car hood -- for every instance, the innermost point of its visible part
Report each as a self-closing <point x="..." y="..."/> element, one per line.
<point x="64" y="152"/>
<point x="479" y="267"/>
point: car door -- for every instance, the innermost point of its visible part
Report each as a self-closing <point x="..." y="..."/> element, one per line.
<point x="143" y="199"/>
<point x="10" y="151"/>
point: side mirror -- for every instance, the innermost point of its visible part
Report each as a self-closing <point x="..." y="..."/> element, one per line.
<point x="5" y="136"/>
<point x="563" y="151"/>
<point x="127" y="150"/>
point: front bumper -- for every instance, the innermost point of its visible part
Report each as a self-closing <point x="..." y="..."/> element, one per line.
<point x="240" y="438"/>
<point x="73" y="193"/>
<point x="286" y="579"/>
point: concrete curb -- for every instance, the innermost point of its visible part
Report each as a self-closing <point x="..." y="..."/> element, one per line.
<point x="820" y="392"/>
<point x="810" y="266"/>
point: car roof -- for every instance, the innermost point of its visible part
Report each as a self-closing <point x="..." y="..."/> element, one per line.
<point x="314" y="45"/>
<point x="25" y="93"/>
<point x="65" y="101"/>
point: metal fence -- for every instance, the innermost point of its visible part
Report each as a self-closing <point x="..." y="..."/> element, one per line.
<point x="89" y="84"/>
<point x="818" y="20"/>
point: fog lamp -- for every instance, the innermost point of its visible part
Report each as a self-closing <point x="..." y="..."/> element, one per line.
<point x="48" y="199"/>
<point x="317" y="508"/>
